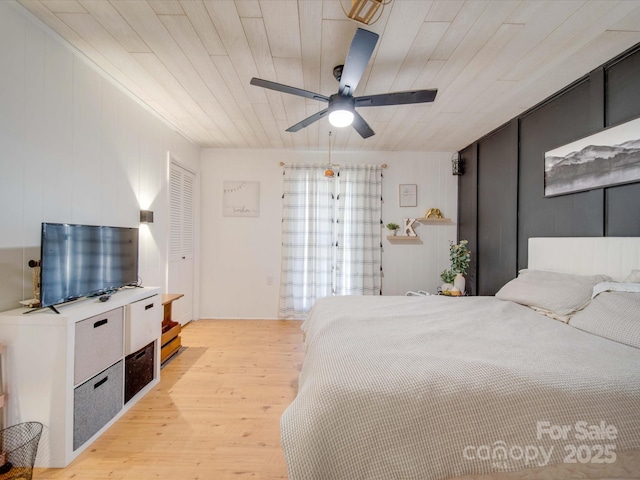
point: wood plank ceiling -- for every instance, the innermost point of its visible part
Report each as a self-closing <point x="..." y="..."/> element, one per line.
<point x="191" y="62"/>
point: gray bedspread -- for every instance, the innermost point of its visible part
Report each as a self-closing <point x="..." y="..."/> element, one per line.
<point x="436" y="387"/>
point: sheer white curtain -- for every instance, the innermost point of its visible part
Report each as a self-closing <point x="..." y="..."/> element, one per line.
<point x="307" y="238"/>
<point x="331" y="235"/>
<point x="358" y="245"/>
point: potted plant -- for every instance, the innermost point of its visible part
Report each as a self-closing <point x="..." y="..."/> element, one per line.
<point x="447" y="277"/>
<point x="460" y="256"/>
<point x="393" y="227"/>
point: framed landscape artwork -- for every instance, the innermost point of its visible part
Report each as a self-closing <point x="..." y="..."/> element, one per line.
<point x="610" y="157"/>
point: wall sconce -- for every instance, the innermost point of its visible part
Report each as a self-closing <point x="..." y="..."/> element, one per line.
<point x="146" y="216"/>
<point x="457" y="164"/>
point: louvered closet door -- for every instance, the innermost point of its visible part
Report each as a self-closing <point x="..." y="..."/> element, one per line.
<point x="181" y="192"/>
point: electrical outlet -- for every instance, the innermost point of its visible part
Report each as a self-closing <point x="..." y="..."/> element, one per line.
<point x="269" y="280"/>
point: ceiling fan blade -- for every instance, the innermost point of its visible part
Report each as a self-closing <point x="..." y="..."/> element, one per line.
<point x="308" y="121"/>
<point x="362" y="46"/>
<point x="397" y="98"/>
<point x="278" y="87"/>
<point x="361" y="126"/>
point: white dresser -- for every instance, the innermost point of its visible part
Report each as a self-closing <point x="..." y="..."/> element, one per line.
<point x="78" y="371"/>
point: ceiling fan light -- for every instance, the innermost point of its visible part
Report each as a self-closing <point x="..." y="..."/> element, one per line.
<point x="341" y="118"/>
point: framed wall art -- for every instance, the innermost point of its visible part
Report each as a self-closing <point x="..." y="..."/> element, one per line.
<point x="240" y="198"/>
<point x="610" y="157"/>
<point x="408" y="195"/>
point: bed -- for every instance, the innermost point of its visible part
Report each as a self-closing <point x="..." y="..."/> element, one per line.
<point x="537" y="382"/>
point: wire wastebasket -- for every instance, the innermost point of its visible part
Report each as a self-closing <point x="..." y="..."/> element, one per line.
<point x="18" y="448"/>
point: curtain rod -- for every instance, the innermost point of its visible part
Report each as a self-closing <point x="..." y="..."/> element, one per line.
<point x="384" y="165"/>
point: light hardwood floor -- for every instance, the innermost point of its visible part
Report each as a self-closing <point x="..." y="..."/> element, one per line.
<point x="215" y="414"/>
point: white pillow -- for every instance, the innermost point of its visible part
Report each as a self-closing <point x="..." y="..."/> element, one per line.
<point x="612" y="315"/>
<point x="561" y="293"/>
<point x="633" y="277"/>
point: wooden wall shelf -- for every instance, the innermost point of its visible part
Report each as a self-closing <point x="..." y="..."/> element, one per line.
<point x="402" y="238"/>
<point x="434" y="220"/>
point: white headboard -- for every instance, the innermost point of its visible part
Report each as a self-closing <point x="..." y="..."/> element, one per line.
<point x="613" y="256"/>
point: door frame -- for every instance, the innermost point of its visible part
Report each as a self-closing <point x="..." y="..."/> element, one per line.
<point x="171" y="158"/>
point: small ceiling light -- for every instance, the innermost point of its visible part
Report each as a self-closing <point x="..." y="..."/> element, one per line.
<point x="363" y="10"/>
<point x="146" y="216"/>
<point x="329" y="173"/>
<point x="341" y="118"/>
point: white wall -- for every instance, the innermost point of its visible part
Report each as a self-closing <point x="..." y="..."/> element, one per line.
<point x="73" y="149"/>
<point x="240" y="255"/>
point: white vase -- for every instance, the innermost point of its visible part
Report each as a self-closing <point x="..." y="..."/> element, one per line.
<point x="459" y="282"/>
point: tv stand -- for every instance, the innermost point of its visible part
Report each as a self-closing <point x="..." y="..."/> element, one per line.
<point x="79" y="370"/>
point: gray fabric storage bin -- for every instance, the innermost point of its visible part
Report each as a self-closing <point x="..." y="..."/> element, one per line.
<point x="138" y="370"/>
<point x="99" y="343"/>
<point x="95" y="402"/>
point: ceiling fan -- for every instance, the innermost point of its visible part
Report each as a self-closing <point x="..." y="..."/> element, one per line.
<point x="341" y="108"/>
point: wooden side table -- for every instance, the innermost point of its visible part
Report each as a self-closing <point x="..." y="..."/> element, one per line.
<point x="170" y="341"/>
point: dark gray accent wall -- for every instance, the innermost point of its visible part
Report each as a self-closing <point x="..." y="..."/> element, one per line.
<point x="498" y="208"/>
<point x="468" y="211"/>
<point x="622" y="79"/>
<point x="561" y="120"/>
<point x="507" y="177"/>
<point x="622" y="89"/>
<point x="623" y="211"/>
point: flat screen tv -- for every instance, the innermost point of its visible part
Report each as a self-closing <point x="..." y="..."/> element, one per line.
<point x="84" y="260"/>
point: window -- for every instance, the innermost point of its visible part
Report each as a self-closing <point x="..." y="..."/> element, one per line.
<point x="331" y="235"/>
